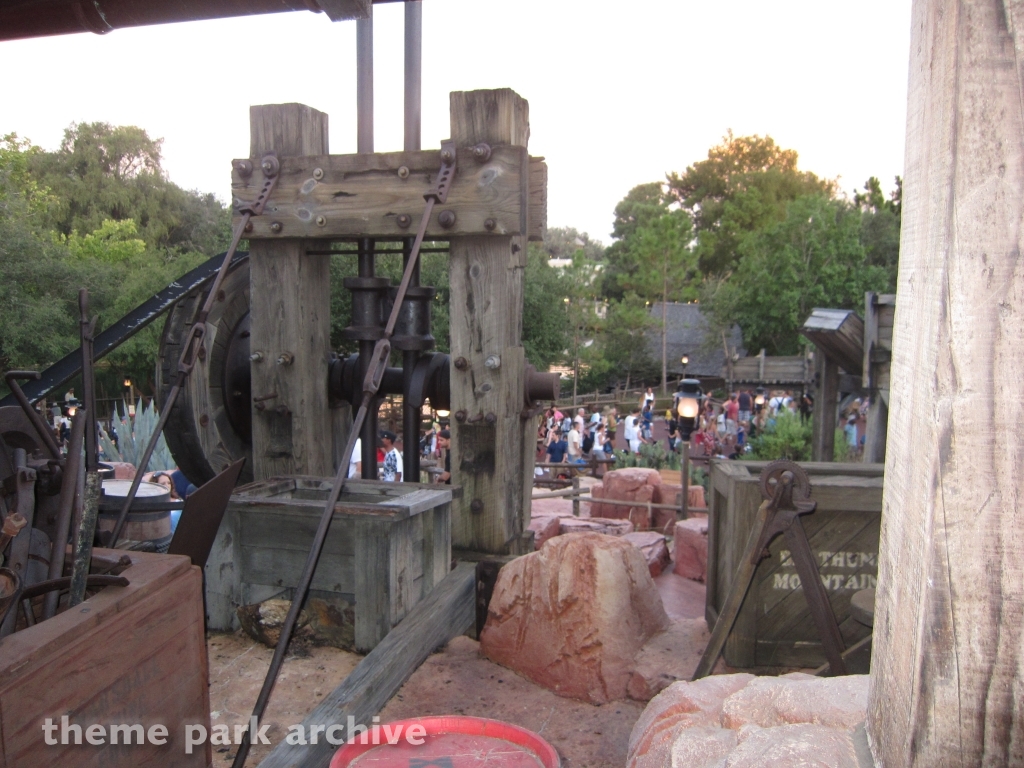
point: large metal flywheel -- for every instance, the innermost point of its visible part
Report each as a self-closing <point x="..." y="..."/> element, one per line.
<point x="210" y="426"/>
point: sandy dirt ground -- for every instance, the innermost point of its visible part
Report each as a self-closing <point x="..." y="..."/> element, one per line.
<point x="457" y="680"/>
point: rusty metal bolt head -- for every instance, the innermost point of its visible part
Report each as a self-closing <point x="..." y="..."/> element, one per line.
<point x="490" y="224"/>
<point x="202" y="352"/>
<point x="318" y="173"/>
<point x="447" y="155"/>
<point x="260" y="406"/>
<point x="248" y="226"/>
<point x="285" y="358"/>
<point x="493" y="362"/>
<point x="446" y="219"/>
<point x="490" y="418"/>
<point x="275" y="227"/>
<point x="403" y="172"/>
<point x="482" y="153"/>
<point x="321" y="221"/>
<point x="460" y="415"/>
<point x="270" y="166"/>
<point x="256" y="357"/>
<point x="404" y="220"/>
<point x="221" y="295"/>
<point x="476" y="506"/>
<point x="282" y="410"/>
<point x="243" y="168"/>
<point x="461" y="363"/>
<point x="204" y="420"/>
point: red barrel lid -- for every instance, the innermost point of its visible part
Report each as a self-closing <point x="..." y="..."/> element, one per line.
<point x="448" y="742"/>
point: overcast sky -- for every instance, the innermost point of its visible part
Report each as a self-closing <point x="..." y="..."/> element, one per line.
<point x="620" y="93"/>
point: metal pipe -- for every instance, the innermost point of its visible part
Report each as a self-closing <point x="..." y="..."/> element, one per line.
<point x="410" y="411"/>
<point x="65" y="508"/>
<point x="364" y="84"/>
<point x="413" y="73"/>
<point x="45" y="434"/>
<point x="368" y="434"/>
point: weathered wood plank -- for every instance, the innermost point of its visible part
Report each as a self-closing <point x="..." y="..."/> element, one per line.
<point x="538" y="198"/>
<point x="289" y="292"/>
<point x="488" y="454"/>
<point x="373" y="584"/>
<point x="448" y="611"/>
<point x="947" y="661"/>
<point x="364" y="195"/>
<point x="825" y="404"/>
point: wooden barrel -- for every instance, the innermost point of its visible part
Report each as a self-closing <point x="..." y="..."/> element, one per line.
<point x="142" y="524"/>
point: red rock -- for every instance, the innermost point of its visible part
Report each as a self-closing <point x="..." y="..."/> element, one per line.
<point x="695" y="497"/>
<point x="572" y="616"/>
<point x="788" y="746"/>
<point x="681" y="705"/>
<point x="544" y="527"/>
<point x="634" y="484"/>
<point x="836" y="702"/>
<point x="663" y="521"/>
<point x="667" y="493"/>
<point x="655" y="551"/>
<point x="691" y="548"/>
<point x="595" y="525"/>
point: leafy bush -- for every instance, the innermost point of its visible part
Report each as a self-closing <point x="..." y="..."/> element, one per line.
<point x="787" y="437"/>
<point x="841" y="451"/>
<point x="133" y="435"/>
<point x="651" y="456"/>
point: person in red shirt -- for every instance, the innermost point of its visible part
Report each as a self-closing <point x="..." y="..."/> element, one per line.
<point x="732" y="414"/>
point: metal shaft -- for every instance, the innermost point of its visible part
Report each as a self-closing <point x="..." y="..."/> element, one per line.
<point x="368" y="446"/>
<point x="410" y="411"/>
<point x="364" y="84"/>
<point x="65" y="508"/>
<point x="413" y="73"/>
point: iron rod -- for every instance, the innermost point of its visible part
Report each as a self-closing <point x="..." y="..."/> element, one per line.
<point x="45" y="434"/>
<point x="364" y="84"/>
<point x="65" y="508"/>
<point x="413" y="73"/>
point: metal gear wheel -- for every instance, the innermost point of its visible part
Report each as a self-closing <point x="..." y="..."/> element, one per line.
<point x="772" y="473"/>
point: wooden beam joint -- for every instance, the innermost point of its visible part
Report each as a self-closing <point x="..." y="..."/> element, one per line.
<point x="382" y="195"/>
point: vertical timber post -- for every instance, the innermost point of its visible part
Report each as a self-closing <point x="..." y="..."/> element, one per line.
<point x="290" y="296"/>
<point x="947" y="667"/>
<point x="823" y="427"/>
<point x="489" y="445"/>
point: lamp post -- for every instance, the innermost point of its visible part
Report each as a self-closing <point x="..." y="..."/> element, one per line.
<point x="687" y="410"/>
<point x="758" y="399"/>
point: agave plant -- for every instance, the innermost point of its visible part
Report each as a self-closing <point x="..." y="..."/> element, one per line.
<point x="133" y="435"/>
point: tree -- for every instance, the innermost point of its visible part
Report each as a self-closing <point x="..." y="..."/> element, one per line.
<point x="643" y="203"/>
<point x="812" y="258"/>
<point x="744" y="184"/>
<point x="625" y="344"/>
<point x="880" y="226"/>
<point x="546" y="327"/>
<point x="563" y="242"/>
<point x="661" y="266"/>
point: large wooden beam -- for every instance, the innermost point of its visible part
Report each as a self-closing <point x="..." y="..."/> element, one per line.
<point x="381" y="194"/>
<point x="489" y="452"/>
<point x="948" y="660"/>
<point x="290" y="296"/>
<point x="826" y="393"/>
<point x="447" y="612"/>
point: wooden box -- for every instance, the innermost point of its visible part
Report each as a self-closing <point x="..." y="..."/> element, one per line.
<point x="128" y="655"/>
<point x="388" y="545"/>
<point x="774" y="627"/>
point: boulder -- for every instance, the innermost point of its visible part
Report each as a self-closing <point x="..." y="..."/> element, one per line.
<point x="668" y="657"/>
<point x="544" y="527"/>
<point x="786" y="746"/>
<point x="572" y="616"/>
<point x="652" y="545"/>
<point x="792" y="721"/>
<point x="695" y="497"/>
<point x="690" y="548"/>
<point x="836" y="702"/>
<point x="263" y="621"/>
<point x="662" y="521"/>
<point x="633" y="484"/>
<point x="680" y="706"/>
<point x="594" y="525"/>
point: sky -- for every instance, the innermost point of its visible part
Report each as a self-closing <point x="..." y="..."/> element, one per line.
<point x="620" y="93"/>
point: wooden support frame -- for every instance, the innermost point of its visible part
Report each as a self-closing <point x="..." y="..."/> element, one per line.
<point x="491" y="448"/>
<point x="381" y="195"/>
<point x="826" y="379"/>
<point x="290" y="293"/>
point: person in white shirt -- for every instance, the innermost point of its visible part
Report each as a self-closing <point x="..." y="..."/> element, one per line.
<point x="632" y="431"/>
<point x="355" y="462"/>
<point x="392" y="471"/>
<point x="579" y="420"/>
<point x="575" y="446"/>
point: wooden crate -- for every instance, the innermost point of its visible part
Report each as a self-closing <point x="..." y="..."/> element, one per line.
<point x="774" y="628"/>
<point x="127" y="655"/>
<point x="388" y="545"/>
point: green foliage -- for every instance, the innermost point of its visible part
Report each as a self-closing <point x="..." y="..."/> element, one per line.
<point x="563" y="242"/>
<point x="744" y="184"/>
<point x="133" y="435"/>
<point x="785" y="437"/>
<point x="625" y="345"/>
<point x="651" y="456"/>
<point x="812" y="258"/>
<point x="880" y="226"/>
<point x="841" y="448"/>
<point x="547" y="332"/>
